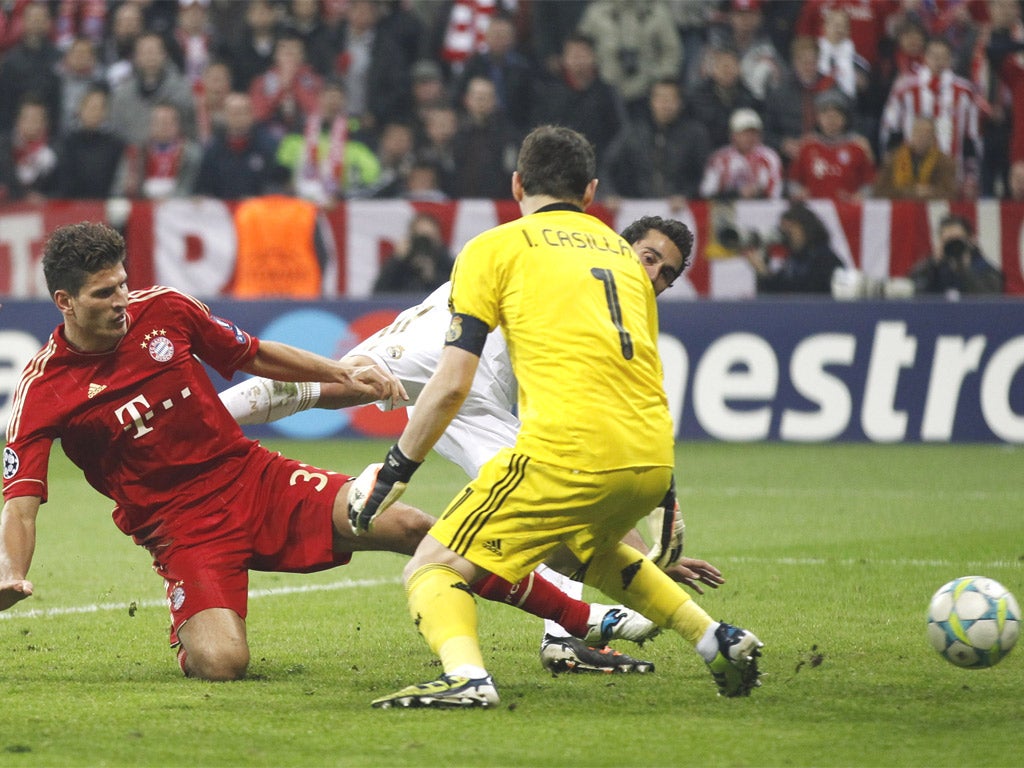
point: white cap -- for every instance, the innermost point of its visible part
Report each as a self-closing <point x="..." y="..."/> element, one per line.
<point x="744" y="120"/>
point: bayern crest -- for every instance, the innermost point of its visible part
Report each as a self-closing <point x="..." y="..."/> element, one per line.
<point x="161" y="348"/>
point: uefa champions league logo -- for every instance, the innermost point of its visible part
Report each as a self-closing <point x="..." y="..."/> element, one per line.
<point x="11" y="463"/>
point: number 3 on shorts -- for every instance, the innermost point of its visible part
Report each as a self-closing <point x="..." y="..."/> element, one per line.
<point x="308" y="477"/>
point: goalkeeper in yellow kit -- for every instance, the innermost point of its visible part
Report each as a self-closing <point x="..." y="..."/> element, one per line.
<point x="595" y="445"/>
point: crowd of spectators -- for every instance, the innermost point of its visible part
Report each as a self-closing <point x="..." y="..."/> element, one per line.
<point x="428" y="100"/>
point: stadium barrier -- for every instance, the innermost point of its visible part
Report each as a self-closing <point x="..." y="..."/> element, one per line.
<point x="189" y="243"/>
<point x="801" y="370"/>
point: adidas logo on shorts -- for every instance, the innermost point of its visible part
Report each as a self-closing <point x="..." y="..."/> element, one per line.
<point x="494" y="546"/>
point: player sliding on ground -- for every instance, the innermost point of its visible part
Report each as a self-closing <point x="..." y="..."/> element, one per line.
<point x="410" y="348"/>
<point x="120" y="384"/>
<point x="595" y="449"/>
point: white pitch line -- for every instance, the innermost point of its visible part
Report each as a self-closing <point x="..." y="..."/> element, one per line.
<point x="870" y="493"/>
<point x="805" y="561"/>
<point x="253" y="594"/>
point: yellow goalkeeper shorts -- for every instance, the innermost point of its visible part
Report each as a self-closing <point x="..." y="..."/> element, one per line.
<point x="518" y="511"/>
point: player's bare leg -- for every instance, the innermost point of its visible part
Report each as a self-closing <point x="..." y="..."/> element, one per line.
<point x="214" y="646"/>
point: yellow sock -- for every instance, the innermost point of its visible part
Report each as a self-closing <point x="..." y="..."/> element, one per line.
<point x="627" y="577"/>
<point x="444" y="610"/>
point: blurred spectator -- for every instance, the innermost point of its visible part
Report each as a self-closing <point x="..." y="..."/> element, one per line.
<point x="935" y="91"/>
<point x="30" y="68"/>
<point x="693" y="24"/>
<point x="720" y="93"/>
<point x="12" y="27"/>
<point x="402" y="21"/>
<point x="240" y="160"/>
<point x="834" y="162"/>
<point x="789" y="111"/>
<point x="28" y="163"/>
<point x="1001" y="74"/>
<point x="809" y="260"/>
<point x="154" y="80"/>
<point x="428" y="86"/>
<point x="760" y="63"/>
<point x="579" y="99"/>
<point x="327" y="161"/>
<point x="286" y="93"/>
<point x="210" y="97"/>
<point x="866" y="19"/>
<point x="911" y="39"/>
<point x="461" y="25"/>
<point x="423" y="183"/>
<point x="437" y="145"/>
<point x="659" y="156"/>
<point x="396" y="156"/>
<point x="637" y="45"/>
<point x="91" y="152"/>
<point x="118" y="48"/>
<point x="193" y="41"/>
<point x="305" y="22"/>
<point x="165" y="165"/>
<point x="373" y="67"/>
<point x="746" y="168"/>
<point x="957" y="265"/>
<point x="504" y="66"/>
<point x="917" y="169"/>
<point x="78" y="72"/>
<point x="1015" y="187"/>
<point x="159" y="15"/>
<point x="552" y="23"/>
<point x="251" y="54"/>
<point x="485" y="147"/>
<point x="79" y="19"/>
<point x="838" y="57"/>
<point x="420" y="264"/>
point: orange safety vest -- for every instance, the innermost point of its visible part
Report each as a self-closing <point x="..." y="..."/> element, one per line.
<point x="276" y="252"/>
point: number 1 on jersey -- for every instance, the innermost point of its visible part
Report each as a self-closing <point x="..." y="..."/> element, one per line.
<point x="611" y="295"/>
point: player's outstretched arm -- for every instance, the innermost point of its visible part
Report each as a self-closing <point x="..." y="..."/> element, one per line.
<point x="17" y="545"/>
<point x="283" y="362"/>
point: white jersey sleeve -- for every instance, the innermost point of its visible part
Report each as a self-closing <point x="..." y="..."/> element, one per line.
<point x="410" y="347"/>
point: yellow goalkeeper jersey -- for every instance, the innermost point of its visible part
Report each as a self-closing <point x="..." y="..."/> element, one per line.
<point x="579" y="315"/>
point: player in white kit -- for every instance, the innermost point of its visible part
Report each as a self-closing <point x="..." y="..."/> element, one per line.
<point x="410" y="348"/>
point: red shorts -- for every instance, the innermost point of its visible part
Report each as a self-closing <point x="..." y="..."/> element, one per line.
<point x="280" y="520"/>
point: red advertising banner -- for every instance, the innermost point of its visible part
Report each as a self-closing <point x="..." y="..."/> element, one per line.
<point x="190" y="243"/>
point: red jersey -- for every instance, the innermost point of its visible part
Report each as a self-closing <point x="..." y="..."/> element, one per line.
<point x="950" y="100"/>
<point x="143" y="420"/>
<point x="867" y="22"/>
<point x="728" y="171"/>
<point x="830" y="168"/>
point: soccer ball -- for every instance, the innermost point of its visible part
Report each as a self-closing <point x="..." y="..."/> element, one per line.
<point x="973" y="622"/>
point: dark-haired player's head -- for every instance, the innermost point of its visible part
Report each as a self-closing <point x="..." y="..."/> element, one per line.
<point x="556" y="162"/>
<point x="76" y="251"/>
<point x="664" y="247"/>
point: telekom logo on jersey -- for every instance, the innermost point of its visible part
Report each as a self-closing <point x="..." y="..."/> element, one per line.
<point x="137" y="412"/>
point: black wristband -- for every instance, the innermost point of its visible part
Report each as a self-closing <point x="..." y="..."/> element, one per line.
<point x="399" y="466"/>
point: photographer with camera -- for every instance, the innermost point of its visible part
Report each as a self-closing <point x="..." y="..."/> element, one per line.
<point x="957" y="265"/>
<point x="421" y="264"/>
<point x="809" y="261"/>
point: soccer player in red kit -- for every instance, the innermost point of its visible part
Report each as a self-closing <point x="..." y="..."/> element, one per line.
<point x="120" y="384"/>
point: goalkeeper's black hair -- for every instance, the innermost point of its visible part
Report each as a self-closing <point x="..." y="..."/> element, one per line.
<point x="673" y="229"/>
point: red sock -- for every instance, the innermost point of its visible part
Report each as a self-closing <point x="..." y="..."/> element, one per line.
<point x="538" y="596"/>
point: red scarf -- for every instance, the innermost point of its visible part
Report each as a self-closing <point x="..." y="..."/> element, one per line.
<point x="330" y="170"/>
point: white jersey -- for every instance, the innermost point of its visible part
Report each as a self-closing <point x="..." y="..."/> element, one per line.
<point x="411" y="347"/>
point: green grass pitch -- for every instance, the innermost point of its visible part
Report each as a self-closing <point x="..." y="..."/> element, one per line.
<point x="831" y="553"/>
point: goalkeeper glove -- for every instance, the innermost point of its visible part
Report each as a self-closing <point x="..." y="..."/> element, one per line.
<point x="667" y="530"/>
<point x="378" y="487"/>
